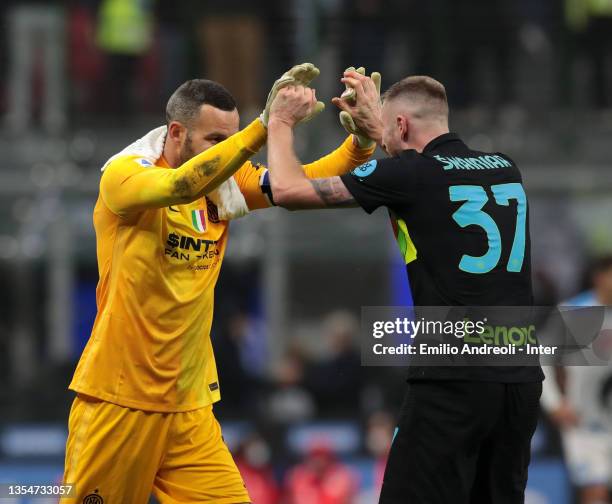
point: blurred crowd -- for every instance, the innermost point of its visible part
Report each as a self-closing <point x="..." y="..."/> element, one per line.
<point x="65" y="60"/>
<point x="319" y="475"/>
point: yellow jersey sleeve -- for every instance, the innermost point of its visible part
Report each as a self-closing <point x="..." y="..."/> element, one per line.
<point x="254" y="183"/>
<point x="252" y="179"/>
<point x="340" y="161"/>
<point x="128" y="185"/>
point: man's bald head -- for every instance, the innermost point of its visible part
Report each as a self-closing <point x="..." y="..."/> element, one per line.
<point x="414" y="109"/>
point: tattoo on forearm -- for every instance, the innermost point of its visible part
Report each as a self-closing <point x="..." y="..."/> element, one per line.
<point x="185" y="186"/>
<point x="181" y="187"/>
<point x="333" y="192"/>
<point x="207" y="168"/>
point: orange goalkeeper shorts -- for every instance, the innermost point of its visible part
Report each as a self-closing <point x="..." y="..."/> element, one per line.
<point x="118" y="455"/>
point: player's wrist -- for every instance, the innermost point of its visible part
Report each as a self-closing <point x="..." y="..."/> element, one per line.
<point x="278" y="122"/>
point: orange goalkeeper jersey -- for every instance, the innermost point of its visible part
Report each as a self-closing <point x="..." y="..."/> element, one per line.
<point x="150" y="346"/>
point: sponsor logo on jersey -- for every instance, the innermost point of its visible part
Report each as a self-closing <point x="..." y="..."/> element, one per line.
<point x="188" y="248"/>
<point x="365" y="169"/>
<point x="503" y="335"/>
<point x="488" y="162"/>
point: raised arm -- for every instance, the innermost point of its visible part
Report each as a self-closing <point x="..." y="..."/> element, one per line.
<point x="290" y="185"/>
<point x="127" y="186"/>
<point x="254" y="179"/>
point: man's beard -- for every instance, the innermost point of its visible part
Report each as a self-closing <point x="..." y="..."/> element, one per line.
<point x="186" y="152"/>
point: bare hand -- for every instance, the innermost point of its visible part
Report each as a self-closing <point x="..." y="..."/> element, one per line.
<point x="564" y="416"/>
<point x="292" y="104"/>
<point x="365" y="107"/>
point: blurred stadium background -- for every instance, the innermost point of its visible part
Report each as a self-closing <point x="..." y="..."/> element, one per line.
<point x="83" y="78"/>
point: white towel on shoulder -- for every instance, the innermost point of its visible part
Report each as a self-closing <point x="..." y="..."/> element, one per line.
<point x="228" y="197"/>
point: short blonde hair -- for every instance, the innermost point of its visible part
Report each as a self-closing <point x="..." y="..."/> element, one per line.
<point x="426" y="92"/>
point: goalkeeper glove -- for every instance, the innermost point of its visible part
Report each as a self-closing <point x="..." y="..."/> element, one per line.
<point x="299" y="75"/>
<point x="345" y="118"/>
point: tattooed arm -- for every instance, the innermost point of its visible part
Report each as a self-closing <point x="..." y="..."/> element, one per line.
<point x="333" y="193"/>
<point x="130" y="184"/>
<point x="291" y="187"/>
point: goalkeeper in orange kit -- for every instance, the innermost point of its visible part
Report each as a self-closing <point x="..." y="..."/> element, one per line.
<point x="142" y="421"/>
